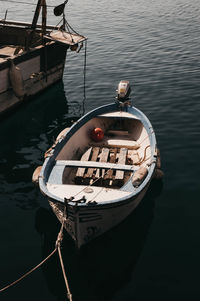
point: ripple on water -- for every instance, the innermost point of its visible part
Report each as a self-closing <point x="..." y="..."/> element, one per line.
<point x="155" y="45"/>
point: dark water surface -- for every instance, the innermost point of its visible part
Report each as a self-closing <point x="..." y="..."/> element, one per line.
<point x="154" y="254"/>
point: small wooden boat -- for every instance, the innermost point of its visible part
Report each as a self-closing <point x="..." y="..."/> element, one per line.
<point x="98" y="171"/>
<point x="32" y="56"/>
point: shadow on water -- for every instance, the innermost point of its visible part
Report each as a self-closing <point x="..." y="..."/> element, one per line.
<point x="42" y="113"/>
<point x="104" y="266"/>
<point x="44" y="100"/>
<point x="34" y="118"/>
<point x="25" y="136"/>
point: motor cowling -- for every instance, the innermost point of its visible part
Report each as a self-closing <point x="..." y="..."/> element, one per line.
<point x="123" y="90"/>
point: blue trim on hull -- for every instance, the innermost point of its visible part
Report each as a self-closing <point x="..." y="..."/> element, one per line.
<point x="50" y="162"/>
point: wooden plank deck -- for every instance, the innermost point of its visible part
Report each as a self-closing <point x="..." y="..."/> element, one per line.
<point x="122" y="160"/>
<point x="103" y="158"/>
<point x="113" y="157"/>
<point x="85" y="157"/>
<point x="109" y="165"/>
<point x="94" y="157"/>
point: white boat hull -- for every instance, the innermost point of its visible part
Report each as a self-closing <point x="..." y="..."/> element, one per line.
<point x="92" y="186"/>
<point x="87" y="223"/>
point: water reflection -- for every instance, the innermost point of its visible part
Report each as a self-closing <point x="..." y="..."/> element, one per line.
<point x="25" y="136"/>
<point x="102" y="267"/>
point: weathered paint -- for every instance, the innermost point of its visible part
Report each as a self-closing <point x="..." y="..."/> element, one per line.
<point x="32" y="86"/>
<point x="37" y="64"/>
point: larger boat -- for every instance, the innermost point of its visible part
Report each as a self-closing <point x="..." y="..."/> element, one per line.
<point x="32" y="56"/>
<point x="99" y="170"/>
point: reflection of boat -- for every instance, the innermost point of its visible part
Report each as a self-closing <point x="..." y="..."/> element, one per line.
<point x="99" y="170"/>
<point x="106" y="264"/>
<point x="32" y="57"/>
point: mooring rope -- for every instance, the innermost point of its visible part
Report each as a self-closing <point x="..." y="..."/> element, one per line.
<point x="57" y="248"/>
<point x="29" y="272"/>
<point x="58" y="245"/>
<point x="144" y="158"/>
<point x="69" y="295"/>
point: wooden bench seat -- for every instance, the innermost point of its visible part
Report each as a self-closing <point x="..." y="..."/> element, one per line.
<point x="116" y="142"/>
<point x="92" y="165"/>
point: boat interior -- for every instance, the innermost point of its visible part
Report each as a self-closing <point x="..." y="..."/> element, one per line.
<point x="14" y="40"/>
<point x="110" y="162"/>
<point x="17" y="37"/>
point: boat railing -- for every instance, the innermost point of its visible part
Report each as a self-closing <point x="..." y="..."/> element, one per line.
<point x="26" y="24"/>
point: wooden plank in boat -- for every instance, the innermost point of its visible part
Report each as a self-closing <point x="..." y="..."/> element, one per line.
<point x="85" y="157"/>
<point x="95" y="153"/>
<point x="103" y="158"/>
<point x="122" y="160"/>
<point x="113" y="156"/>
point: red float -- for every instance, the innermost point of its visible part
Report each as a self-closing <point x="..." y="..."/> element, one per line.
<point x="97" y="134"/>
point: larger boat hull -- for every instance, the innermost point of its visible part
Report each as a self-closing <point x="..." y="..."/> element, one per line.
<point x="26" y="75"/>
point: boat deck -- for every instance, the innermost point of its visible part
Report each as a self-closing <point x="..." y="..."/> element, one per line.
<point x="114" y="163"/>
<point x="6" y="52"/>
<point x="109" y="176"/>
<point x="89" y="194"/>
<point x="108" y="163"/>
<point x="105" y="168"/>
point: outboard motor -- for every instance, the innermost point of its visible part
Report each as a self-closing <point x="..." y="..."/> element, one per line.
<point x="123" y="91"/>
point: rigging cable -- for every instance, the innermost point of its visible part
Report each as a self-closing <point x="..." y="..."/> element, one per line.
<point x="84" y="77"/>
<point x="27" y="3"/>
